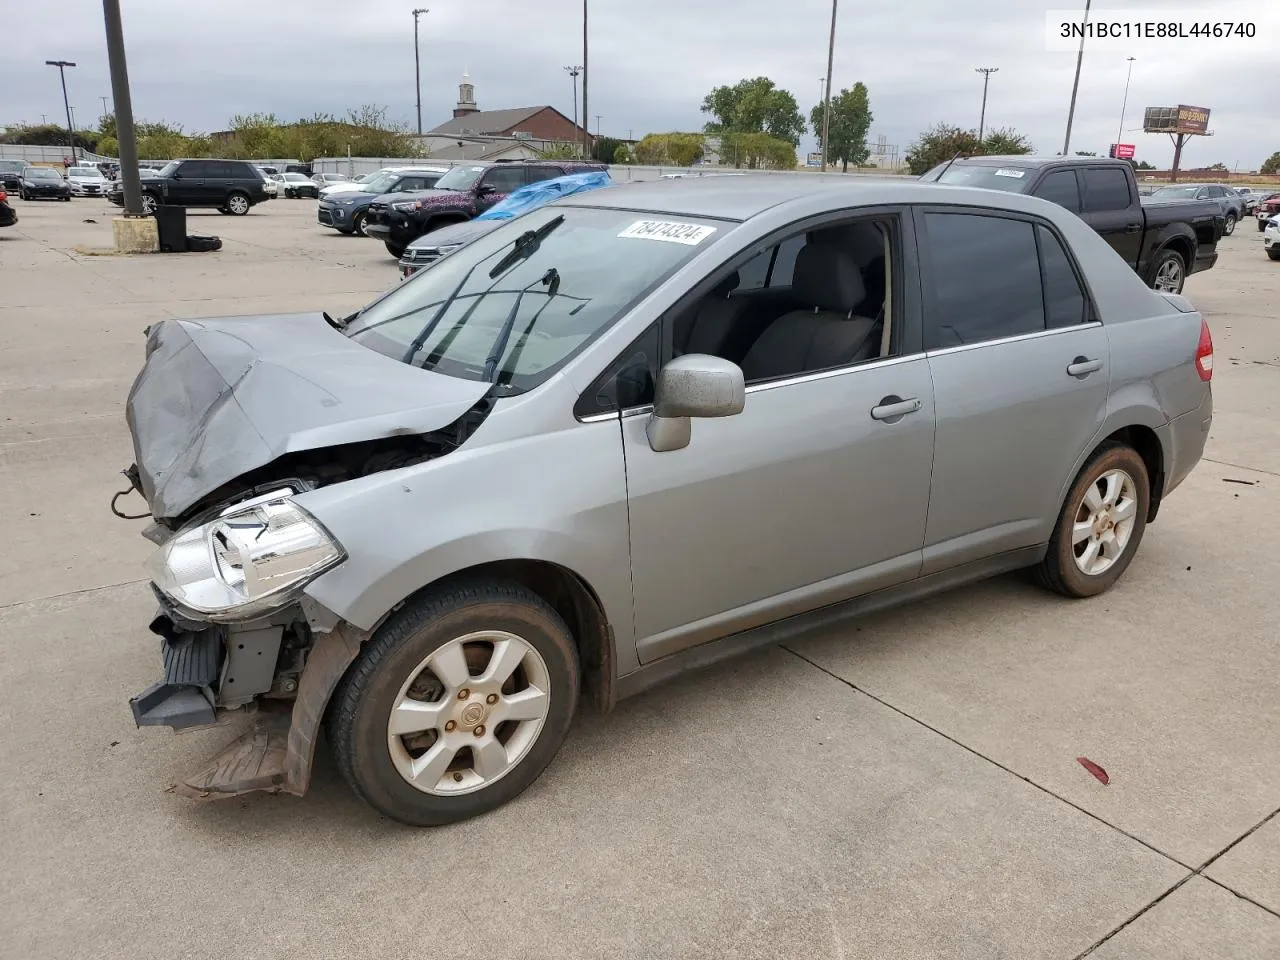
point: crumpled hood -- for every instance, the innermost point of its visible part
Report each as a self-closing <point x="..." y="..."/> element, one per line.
<point x="452" y="233"/>
<point x="217" y="398"/>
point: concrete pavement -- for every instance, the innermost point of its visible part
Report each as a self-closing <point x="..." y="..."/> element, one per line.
<point x="907" y="788"/>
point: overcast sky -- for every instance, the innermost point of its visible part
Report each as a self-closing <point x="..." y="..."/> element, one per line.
<point x="197" y="64"/>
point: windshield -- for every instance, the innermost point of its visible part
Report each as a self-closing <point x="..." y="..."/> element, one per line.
<point x="42" y="173"/>
<point x="1176" y="193"/>
<point x="84" y="172"/>
<point x="459" y="178"/>
<point x="1010" y="179"/>
<point x="382" y="183"/>
<point x="588" y="268"/>
<point x="295" y="177"/>
<point x="13" y="166"/>
<point x="168" y="169"/>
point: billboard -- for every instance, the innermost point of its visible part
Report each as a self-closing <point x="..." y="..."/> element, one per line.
<point x="1179" y="119"/>
<point x="1122" y="151"/>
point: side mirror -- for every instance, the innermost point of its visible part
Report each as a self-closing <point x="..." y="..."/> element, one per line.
<point x="177" y="174"/>
<point x="695" y="385"/>
<point x="487" y="189"/>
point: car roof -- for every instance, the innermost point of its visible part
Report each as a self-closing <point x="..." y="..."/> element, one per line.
<point x="1028" y="160"/>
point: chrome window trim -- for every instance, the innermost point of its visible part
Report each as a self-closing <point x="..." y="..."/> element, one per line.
<point x="1035" y="335"/>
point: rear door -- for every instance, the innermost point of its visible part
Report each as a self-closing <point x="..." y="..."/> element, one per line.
<point x="1111" y="208"/>
<point x="1020" y="375"/>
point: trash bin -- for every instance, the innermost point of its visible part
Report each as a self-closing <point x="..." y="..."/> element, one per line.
<point x="171" y="223"/>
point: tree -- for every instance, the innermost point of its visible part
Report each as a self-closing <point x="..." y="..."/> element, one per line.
<point x="1085" y="153"/>
<point x="622" y="155"/>
<point x="560" y="151"/>
<point x="943" y="141"/>
<point x="1005" y="142"/>
<point x="757" y="151"/>
<point x="604" y="149"/>
<point x="680" y="149"/>
<point x="1143" y="165"/>
<point x="850" y="120"/>
<point x="754" y="106"/>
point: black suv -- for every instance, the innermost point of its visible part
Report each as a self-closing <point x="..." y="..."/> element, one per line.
<point x="229" y="186"/>
<point x="11" y="174"/>
<point x="466" y="191"/>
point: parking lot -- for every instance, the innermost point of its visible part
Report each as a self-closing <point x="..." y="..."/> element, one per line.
<point x="905" y="788"/>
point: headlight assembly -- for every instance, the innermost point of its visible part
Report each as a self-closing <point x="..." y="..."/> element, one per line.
<point x="251" y="559"/>
<point x="406" y="206"/>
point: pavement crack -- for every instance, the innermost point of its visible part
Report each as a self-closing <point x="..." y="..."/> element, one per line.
<point x="1241" y="466"/>
<point x="1131" y="919"/>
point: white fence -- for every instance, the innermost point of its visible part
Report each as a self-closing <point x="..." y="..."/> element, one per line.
<point x="46" y="154"/>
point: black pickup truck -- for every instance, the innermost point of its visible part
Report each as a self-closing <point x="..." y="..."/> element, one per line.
<point x="1163" y="241"/>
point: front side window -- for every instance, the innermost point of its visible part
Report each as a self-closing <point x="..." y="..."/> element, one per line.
<point x="985" y="277"/>
<point x="514" y="305"/>
<point x="504" y="179"/>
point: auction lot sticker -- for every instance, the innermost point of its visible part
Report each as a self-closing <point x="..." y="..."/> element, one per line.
<point x="669" y="231"/>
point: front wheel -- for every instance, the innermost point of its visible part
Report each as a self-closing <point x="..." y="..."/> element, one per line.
<point x="394" y="249"/>
<point x="238" y="204"/>
<point x="1101" y="524"/>
<point x="149" y="203"/>
<point x="457" y="704"/>
<point x="357" y="223"/>
<point x="1229" y="227"/>
<point x="1168" y="273"/>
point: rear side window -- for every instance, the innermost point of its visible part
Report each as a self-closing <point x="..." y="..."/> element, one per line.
<point x="1105" y="189"/>
<point x="1064" y="301"/>
<point x="504" y="179"/>
<point x="985" y="277"/>
<point x="1061" y="188"/>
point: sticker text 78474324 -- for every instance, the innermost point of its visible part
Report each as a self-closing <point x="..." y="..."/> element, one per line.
<point x="668" y="231"/>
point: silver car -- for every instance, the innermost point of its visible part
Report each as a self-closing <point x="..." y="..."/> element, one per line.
<point x="624" y="436"/>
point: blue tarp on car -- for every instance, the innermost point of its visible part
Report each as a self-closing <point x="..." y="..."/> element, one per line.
<point x="536" y="194"/>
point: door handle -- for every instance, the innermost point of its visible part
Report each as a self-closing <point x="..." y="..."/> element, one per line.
<point x="1081" y="367"/>
<point x="1132" y="227"/>
<point x="893" y="408"/>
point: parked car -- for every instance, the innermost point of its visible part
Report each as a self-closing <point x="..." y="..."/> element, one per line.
<point x="323" y="180"/>
<point x="427" y="249"/>
<point x="548" y="465"/>
<point x="43" y="183"/>
<point x="1250" y="198"/>
<point x="303" y="168"/>
<point x="298" y="185"/>
<point x="346" y="211"/>
<point x="355" y="186"/>
<point x="86" y="181"/>
<point x="1162" y="241"/>
<point x="1271" y="237"/>
<point x="460" y="195"/>
<point x="272" y="181"/>
<point x="115" y="190"/>
<point x="228" y="186"/>
<point x="11" y="174"/>
<point x="1268" y="207"/>
<point x="8" y="216"/>
<point x="1229" y="202"/>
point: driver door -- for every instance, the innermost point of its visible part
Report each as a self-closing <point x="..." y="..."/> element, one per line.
<point x="497" y="183"/>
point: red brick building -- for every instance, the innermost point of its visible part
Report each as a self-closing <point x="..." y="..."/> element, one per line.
<point x="533" y="123"/>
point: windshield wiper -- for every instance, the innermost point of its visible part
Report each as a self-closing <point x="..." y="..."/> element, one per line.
<point x="526" y="245"/>
<point x="551" y="280"/>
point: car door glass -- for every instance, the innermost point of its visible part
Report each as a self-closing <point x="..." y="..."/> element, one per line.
<point x="784" y="265"/>
<point x="504" y="179"/>
<point x="538" y="174"/>
<point x="985" y="276"/>
<point x="1061" y="188"/>
<point x="754" y="274"/>
<point x="1064" y="301"/>
<point x="195" y="168"/>
<point x="409" y="184"/>
<point x="1105" y="190"/>
<point x="627" y="382"/>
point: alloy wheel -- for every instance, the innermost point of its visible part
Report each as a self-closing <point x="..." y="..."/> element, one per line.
<point x="1104" y="522"/>
<point x="1169" y="277"/>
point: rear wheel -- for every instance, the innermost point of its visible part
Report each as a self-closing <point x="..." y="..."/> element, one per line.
<point x="457" y="704"/>
<point x="1169" y="272"/>
<point x="1230" y="226"/>
<point x="1262" y="225"/>
<point x="1101" y="524"/>
<point x="238" y="204"/>
<point x="1274" y="253"/>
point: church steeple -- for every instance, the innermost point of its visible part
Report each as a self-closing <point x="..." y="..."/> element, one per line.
<point x="466" y="97"/>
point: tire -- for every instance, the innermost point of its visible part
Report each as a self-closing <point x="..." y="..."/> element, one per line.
<point x="238" y="203"/>
<point x="1274" y="253"/>
<point x="395" y="250"/>
<point x="149" y="203"/>
<point x="1114" y="481"/>
<point x="288" y="194"/>
<point x="357" y="223"/>
<point x="1262" y="225"/>
<point x="1168" y="273"/>
<point x="396" y="666"/>
<point x="1230" y="226"/>
<point x="65" y="199"/>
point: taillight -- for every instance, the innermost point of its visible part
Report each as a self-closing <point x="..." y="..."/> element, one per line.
<point x="1204" y="353"/>
<point x="3" y="196"/>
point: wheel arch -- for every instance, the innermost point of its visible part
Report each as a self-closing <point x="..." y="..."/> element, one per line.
<point x="1136" y="428"/>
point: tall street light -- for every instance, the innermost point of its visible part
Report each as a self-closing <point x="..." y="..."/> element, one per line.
<point x="574" y="72"/>
<point x="417" y="65"/>
<point x="1125" y="102"/>
<point x="123" y="109"/>
<point x="586" y="134"/>
<point x="986" y="80"/>
<point x="826" y="95"/>
<point x="1075" y="86"/>
<point x="62" y="71"/>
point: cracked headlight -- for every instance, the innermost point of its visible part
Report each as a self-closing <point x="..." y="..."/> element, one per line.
<point x="251" y="559"/>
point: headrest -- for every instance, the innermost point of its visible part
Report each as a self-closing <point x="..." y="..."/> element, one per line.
<point x="726" y="286"/>
<point x="828" y="278"/>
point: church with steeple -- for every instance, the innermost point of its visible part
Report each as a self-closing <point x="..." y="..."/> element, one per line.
<point x="507" y="133"/>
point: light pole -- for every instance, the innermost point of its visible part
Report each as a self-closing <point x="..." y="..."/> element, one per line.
<point x="586" y="134"/>
<point x="417" y="66"/>
<point x="62" y="71"/>
<point x="1125" y="102"/>
<point x="104" y="106"/>
<point x="574" y="72"/>
<point x="986" y="80"/>
<point x="597" y="126"/>
<point x="1075" y="86"/>
<point x="123" y="109"/>
<point x="826" y="93"/>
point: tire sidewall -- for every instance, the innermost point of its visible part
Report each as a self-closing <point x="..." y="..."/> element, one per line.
<point x="1112" y="457"/>
<point x="1164" y="257"/>
<point x="357" y="223"/>
<point x="1230" y="226"/>
<point x="231" y="198"/>
<point x="401" y="645"/>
